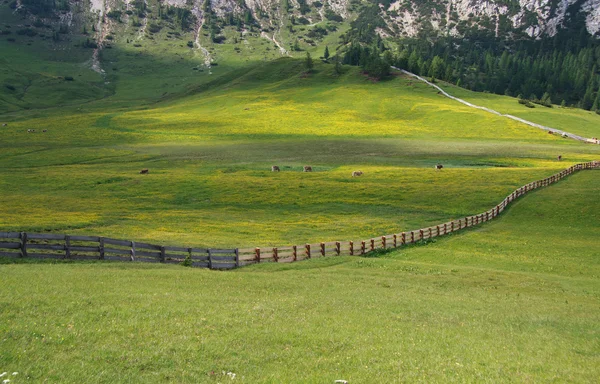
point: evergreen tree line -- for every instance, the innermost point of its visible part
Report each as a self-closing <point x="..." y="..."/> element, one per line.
<point x="534" y="70"/>
<point x="375" y="59"/>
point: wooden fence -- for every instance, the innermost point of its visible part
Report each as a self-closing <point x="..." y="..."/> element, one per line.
<point x="50" y="246"/>
<point x="360" y="247"/>
<point x="36" y="245"/>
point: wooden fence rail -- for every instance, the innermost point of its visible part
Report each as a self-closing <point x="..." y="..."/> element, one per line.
<point x="45" y="245"/>
<point x="51" y="246"/>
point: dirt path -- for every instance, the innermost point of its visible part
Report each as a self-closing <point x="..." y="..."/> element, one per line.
<point x="207" y="58"/>
<point x="272" y="39"/>
<point x="545" y="128"/>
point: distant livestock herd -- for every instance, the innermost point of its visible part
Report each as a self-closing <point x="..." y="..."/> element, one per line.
<point x="308" y="168"/>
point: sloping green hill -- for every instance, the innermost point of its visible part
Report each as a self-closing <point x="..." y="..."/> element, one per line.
<point x="513" y="300"/>
<point x="210" y="157"/>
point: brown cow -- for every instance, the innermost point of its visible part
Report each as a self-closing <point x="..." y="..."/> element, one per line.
<point x="438" y="167"/>
<point x="144" y="171"/>
<point x="357" y="173"/>
<point x="559" y="158"/>
<point x="307" y="168"/>
<point x="275" y="168"/>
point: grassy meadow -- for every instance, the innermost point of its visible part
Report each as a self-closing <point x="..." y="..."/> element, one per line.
<point x="515" y="300"/>
<point x="210" y="155"/>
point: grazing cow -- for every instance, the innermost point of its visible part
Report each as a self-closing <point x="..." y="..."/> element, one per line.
<point x="559" y="158"/>
<point x="565" y="135"/>
<point x="438" y="167"/>
<point x="31" y="130"/>
<point x="275" y="168"/>
<point x="357" y="173"/>
<point x="4" y="125"/>
<point x="307" y="168"/>
<point x="144" y="171"/>
<point x="45" y="130"/>
<point x="551" y="132"/>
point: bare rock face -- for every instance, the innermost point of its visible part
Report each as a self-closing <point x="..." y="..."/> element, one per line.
<point x="533" y="17"/>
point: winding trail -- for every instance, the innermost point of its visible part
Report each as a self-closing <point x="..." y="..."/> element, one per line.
<point x="272" y="39"/>
<point x="207" y="58"/>
<point x="535" y="125"/>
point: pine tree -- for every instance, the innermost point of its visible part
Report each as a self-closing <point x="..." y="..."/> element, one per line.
<point x="308" y="62"/>
<point x="338" y="66"/>
<point x="326" y="54"/>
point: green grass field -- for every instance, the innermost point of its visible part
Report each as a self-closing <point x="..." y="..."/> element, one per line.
<point x="515" y="300"/>
<point x="210" y="155"/>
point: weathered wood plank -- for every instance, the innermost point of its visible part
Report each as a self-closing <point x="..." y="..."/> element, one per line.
<point x="217" y="251"/>
<point x="222" y="265"/>
<point x="123" y="243"/>
<point x="44" y="236"/>
<point x="147" y="254"/>
<point x="10" y="245"/>
<point x="200" y="264"/>
<point x="204" y="258"/>
<point x="85" y="238"/>
<point x="177" y="249"/>
<point x="52" y="247"/>
<point x="10" y="254"/>
<point x="117" y="251"/>
<point x="10" y="235"/>
<point x="173" y="256"/>
<point x="224" y="258"/>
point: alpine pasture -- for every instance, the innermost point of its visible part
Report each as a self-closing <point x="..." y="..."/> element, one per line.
<point x="513" y="300"/>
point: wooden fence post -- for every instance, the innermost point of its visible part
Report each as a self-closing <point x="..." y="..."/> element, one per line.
<point x="420" y="234"/>
<point x="237" y="257"/>
<point x="23" y="244"/>
<point x="412" y="236"/>
<point x="67" y="247"/>
<point x="275" y="255"/>
<point x="362" y="247"/>
<point x="257" y="254"/>
<point x="403" y="241"/>
<point x="338" y="248"/>
<point x="209" y="259"/>
<point x="322" y="249"/>
<point x="395" y="240"/>
<point x="101" y="248"/>
<point x="163" y="254"/>
<point x="295" y="252"/>
<point x="452" y="226"/>
<point x="307" y="250"/>
<point x="445" y="228"/>
<point x="351" y="248"/>
<point x="372" y="244"/>
<point x="132" y="252"/>
<point x="383" y="242"/>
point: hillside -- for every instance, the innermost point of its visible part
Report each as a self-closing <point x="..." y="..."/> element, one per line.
<point x="514" y="300"/>
<point x="63" y="53"/>
<point x="216" y="146"/>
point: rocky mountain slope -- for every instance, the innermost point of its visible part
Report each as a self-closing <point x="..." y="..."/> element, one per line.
<point x="401" y="18"/>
